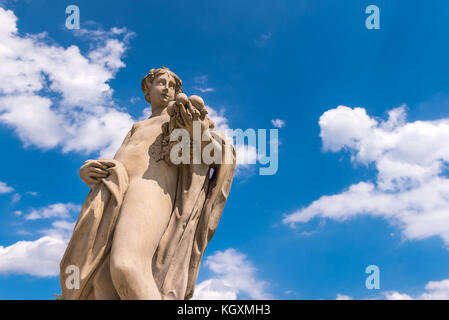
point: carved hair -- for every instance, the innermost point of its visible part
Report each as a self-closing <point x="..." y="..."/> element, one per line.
<point x="153" y="74"/>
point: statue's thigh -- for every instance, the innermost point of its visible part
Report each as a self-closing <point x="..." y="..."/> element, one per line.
<point x="142" y="220"/>
<point x="103" y="287"/>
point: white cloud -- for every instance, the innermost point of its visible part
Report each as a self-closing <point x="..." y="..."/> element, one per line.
<point x="278" y="123"/>
<point x="57" y="210"/>
<point x="40" y="257"/>
<point x="220" y="121"/>
<point x="343" y="297"/>
<point x="37" y="258"/>
<point x="201" y="84"/>
<point x="234" y="275"/>
<point x="246" y="154"/>
<point x="4" y="188"/>
<point x="394" y="295"/>
<point x="215" y="289"/>
<point x="411" y="159"/>
<point x="204" y="90"/>
<point x="58" y="97"/>
<point x="435" y="290"/>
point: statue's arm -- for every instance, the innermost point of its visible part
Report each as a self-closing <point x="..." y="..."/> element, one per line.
<point x="93" y="171"/>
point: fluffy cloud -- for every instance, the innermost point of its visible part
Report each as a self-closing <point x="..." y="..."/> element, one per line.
<point x="40" y="257"/>
<point x="220" y="121"/>
<point x="435" y="290"/>
<point x="215" y="289"/>
<point x="57" y="97"/>
<point x="411" y="160"/>
<point x="234" y="275"/>
<point x="4" y="188"/>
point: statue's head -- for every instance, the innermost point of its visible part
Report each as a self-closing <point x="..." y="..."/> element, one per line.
<point x="161" y="86"/>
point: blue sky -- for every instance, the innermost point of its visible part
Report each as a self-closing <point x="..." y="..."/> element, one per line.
<point x="363" y="153"/>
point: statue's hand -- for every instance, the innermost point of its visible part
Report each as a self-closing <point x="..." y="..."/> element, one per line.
<point x="188" y="113"/>
<point x="184" y="117"/>
<point x="93" y="171"/>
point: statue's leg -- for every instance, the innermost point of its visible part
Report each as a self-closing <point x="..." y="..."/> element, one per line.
<point x="103" y="288"/>
<point x="142" y="220"/>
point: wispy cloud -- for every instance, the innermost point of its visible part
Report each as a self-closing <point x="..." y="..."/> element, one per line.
<point x="16" y="197"/>
<point x="278" y="123"/>
<point x="263" y="39"/>
<point x="4" y="188"/>
<point x="201" y="84"/>
<point x="57" y="210"/>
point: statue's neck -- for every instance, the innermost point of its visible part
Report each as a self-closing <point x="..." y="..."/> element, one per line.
<point x="157" y="111"/>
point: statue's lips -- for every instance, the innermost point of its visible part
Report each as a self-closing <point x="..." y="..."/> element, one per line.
<point x="164" y="96"/>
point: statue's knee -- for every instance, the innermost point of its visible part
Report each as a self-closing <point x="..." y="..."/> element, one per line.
<point x="121" y="268"/>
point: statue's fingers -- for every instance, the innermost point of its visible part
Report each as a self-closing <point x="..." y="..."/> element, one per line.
<point x="97" y="164"/>
<point x="179" y="122"/>
<point x="96" y="175"/>
<point x="107" y="163"/>
<point x="91" y="181"/>
<point x="176" y="108"/>
<point x="99" y="171"/>
<point x="96" y="179"/>
<point x="190" y="107"/>
<point x="194" y="113"/>
<point x="183" y="114"/>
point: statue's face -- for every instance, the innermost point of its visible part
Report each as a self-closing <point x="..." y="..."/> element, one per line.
<point x="162" y="90"/>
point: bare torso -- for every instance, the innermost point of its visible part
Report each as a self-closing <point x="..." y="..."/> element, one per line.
<point x="145" y="210"/>
<point x="136" y="156"/>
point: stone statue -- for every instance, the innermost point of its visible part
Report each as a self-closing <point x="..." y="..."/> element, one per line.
<point x="147" y="220"/>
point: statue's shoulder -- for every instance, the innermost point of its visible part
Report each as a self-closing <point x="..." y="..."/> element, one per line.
<point x="143" y="123"/>
<point x="136" y="125"/>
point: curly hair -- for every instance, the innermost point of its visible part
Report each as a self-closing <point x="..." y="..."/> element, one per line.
<point x="153" y="74"/>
